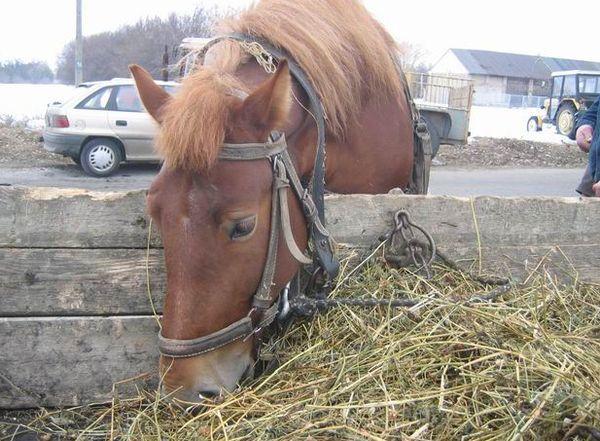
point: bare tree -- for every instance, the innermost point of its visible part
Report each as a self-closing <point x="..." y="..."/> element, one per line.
<point x="107" y="55"/>
<point x="413" y="57"/>
<point x="20" y="72"/>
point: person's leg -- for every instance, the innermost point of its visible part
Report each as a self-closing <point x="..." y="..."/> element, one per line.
<point x="585" y="186"/>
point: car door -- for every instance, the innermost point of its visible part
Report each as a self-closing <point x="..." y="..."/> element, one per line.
<point x="132" y="125"/>
<point x="89" y="117"/>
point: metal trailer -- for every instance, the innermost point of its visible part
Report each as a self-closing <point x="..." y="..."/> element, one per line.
<point x="445" y="104"/>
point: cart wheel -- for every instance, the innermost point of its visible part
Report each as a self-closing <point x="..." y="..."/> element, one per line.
<point x="533" y="125"/>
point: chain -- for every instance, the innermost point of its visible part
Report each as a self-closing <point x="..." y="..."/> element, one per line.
<point x="408" y="249"/>
<point x="263" y="58"/>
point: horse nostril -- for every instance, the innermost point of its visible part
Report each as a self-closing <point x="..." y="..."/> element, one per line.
<point x="207" y="394"/>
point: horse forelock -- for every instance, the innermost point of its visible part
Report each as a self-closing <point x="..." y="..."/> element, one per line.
<point x="195" y="121"/>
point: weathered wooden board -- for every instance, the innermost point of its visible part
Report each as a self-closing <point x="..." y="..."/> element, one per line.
<point x="68" y="361"/>
<point x="65" y="218"/>
<point x="43" y="217"/>
<point x="81" y="255"/>
<point x="77" y="281"/>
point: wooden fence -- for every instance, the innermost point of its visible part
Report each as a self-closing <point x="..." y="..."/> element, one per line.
<point x="75" y="315"/>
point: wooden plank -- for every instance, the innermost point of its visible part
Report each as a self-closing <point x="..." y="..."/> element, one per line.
<point x="44" y="217"/>
<point x="76" y="281"/>
<point x="514" y="235"/>
<point x="69" y="361"/>
<point x="49" y="217"/>
<point x="360" y="219"/>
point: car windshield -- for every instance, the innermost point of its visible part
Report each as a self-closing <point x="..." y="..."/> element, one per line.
<point x="589" y="84"/>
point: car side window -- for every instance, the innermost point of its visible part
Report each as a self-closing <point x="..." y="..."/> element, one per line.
<point x="97" y="101"/>
<point x="127" y="100"/>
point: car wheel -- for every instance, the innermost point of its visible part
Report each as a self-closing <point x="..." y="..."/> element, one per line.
<point x="433" y="134"/>
<point x="565" y="120"/>
<point x="100" y="157"/>
<point x="533" y="124"/>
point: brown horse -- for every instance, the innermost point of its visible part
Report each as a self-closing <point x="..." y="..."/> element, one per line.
<point x="214" y="215"/>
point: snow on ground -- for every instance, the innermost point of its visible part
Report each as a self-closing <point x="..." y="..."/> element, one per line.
<point x="29" y="101"/>
<point x="500" y="122"/>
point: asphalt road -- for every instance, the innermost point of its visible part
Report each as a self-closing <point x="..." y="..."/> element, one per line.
<point x="128" y="177"/>
<point x="444" y="181"/>
<point x="505" y="182"/>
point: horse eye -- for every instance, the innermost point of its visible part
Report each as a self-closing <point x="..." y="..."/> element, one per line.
<point x="243" y="227"/>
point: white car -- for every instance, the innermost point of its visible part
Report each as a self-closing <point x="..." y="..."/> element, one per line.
<point x="103" y="125"/>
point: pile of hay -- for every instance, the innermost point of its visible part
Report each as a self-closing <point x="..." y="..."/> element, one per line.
<point x="526" y="366"/>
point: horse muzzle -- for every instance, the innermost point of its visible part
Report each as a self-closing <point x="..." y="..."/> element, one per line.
<point x="192" y="380"/>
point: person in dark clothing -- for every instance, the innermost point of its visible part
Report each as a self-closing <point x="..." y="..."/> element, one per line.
<point x="588" y="140"/>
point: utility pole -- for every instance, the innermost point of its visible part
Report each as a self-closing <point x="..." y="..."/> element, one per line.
<point x="78" y="47"/>
<point x="165" y="64"/>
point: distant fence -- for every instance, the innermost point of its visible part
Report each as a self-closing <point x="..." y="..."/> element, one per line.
<point x="506" y="100"/>
<point x="440" y="90"/>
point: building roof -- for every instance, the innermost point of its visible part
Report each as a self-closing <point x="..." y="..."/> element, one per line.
<point x="478" y="62"/>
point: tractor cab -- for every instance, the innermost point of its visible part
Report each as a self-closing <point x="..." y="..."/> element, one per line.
<point x="572" y="93"/>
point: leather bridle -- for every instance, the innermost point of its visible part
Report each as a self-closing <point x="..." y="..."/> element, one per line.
<point x="265" y="306"/>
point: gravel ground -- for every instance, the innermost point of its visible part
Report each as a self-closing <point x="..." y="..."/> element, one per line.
<point x="513" y="153"/>
<point x="20" y="148"/>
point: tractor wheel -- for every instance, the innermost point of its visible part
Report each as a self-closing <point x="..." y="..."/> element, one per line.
<point x="565" y="120"/>
<point x="533" y="125"/>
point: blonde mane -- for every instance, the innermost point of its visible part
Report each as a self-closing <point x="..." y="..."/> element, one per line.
<point x="345" y="52"/>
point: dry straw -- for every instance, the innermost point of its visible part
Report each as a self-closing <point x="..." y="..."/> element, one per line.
<point x="523" y="367"/>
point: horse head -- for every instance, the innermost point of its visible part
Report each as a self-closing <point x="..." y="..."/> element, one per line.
<point x="214" y="217"/>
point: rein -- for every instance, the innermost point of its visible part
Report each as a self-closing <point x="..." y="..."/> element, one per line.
<point x="265" y="307"/>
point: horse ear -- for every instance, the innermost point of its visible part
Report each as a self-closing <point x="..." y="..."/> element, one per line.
<point x="152" y="95"/>
<point x="268" y="107"/>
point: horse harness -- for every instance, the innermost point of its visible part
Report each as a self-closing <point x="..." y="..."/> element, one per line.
<point x="325" y="266"/>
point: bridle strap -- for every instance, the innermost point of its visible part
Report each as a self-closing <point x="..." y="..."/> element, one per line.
<point x="322" y="242"/>
<point x="242" y="329"/>
<point x="254" y="151"/>
<point x="262" y="298"/>
<point x="264" y="310"/>
<point x="286" y="226"/>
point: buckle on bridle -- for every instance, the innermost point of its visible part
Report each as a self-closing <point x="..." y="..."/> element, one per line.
<point x="308" y="205"/>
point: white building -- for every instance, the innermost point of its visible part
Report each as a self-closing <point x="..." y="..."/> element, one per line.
<point x="504" y="79"/>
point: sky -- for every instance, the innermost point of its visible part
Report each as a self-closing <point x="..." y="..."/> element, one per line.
<point x="38" y="29"/>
